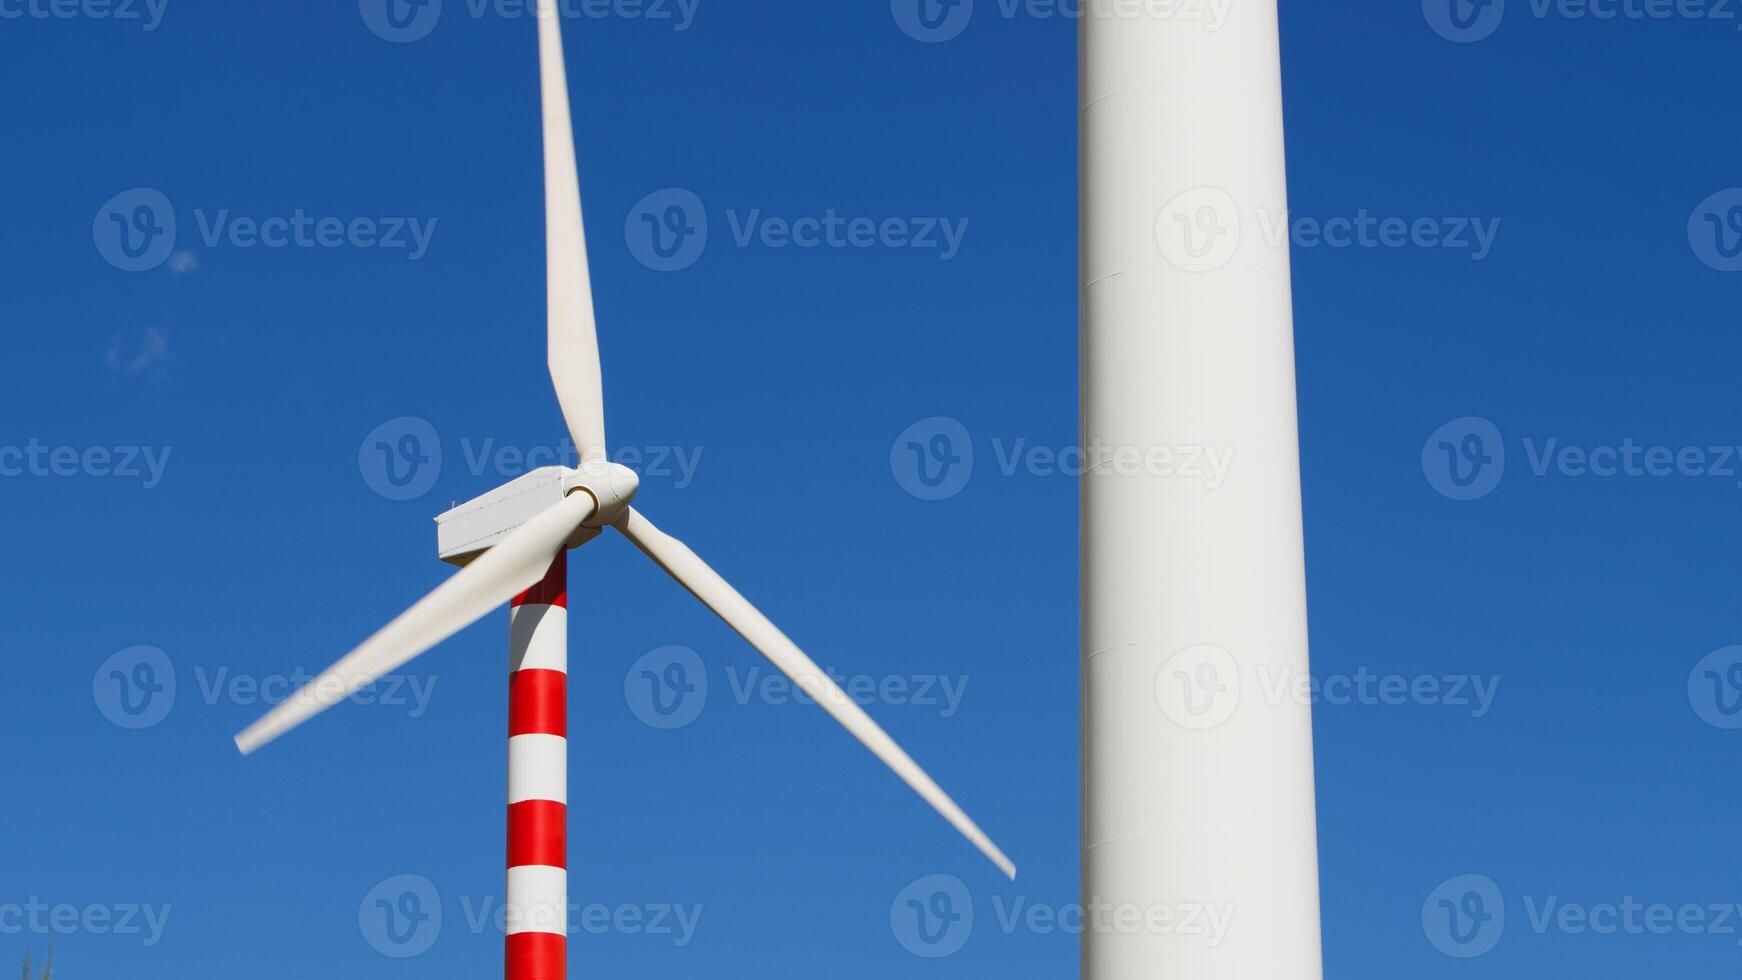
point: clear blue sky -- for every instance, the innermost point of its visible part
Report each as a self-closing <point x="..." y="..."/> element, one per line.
<point x="270" y="537"/>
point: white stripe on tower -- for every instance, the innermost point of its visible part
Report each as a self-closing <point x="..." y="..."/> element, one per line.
<point x="537" y="895"/>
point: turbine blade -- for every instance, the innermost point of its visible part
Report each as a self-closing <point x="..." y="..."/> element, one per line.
<point x="498" y="575"/>
<point x="573" y="335"/>
<point x="706" y="584"/>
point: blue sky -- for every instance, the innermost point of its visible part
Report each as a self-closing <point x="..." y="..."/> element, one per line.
<point x="190" y="461"/>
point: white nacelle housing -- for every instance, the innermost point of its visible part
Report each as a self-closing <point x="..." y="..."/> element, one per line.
<point x="475" y="526"/>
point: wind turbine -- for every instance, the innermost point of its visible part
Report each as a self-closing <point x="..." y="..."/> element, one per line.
<point x="512" y="544"/>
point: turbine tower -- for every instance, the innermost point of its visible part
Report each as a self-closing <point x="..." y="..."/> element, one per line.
<point x="512" y="547"/>
<point x="1198" y="777"/>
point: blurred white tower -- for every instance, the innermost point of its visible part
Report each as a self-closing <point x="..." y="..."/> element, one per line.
<point x="1197" y="741"/>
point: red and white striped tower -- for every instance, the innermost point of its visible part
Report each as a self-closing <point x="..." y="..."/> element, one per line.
<point x="538" y="755"/>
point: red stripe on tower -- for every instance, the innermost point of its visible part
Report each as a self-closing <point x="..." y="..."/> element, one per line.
<point x="553" y="590"/>
<point x="538" y="702"/>
<point x="538" y="834"/>
<point x="537" y="956"/>
<point x="537" y="895"/>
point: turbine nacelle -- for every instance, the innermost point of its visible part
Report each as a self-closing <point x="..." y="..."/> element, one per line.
<point x="479" y="524"/>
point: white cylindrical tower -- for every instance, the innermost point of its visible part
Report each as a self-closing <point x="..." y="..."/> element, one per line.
<point x="537" y="896"/>
<point x="1199" y="838"/>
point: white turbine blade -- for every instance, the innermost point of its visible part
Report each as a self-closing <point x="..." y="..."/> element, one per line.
<point x="706" y="584"/>
<point x="498" y="575"/>
<point x="573" y="336"/>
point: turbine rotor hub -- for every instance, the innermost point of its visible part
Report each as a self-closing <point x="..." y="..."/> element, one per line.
<point x="611" y="485"/>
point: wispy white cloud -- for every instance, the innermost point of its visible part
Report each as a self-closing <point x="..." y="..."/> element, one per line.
<point x="150" y="353"/>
